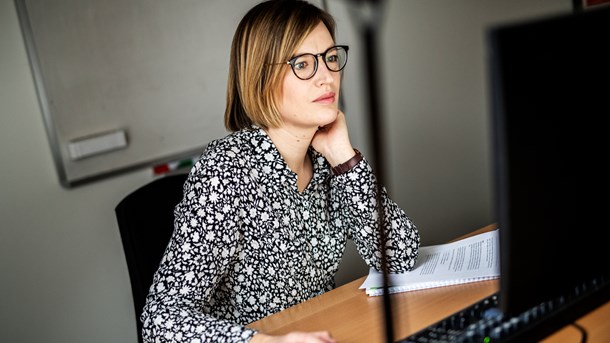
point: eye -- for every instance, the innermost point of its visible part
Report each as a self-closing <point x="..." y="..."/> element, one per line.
<point x="299" y="65"/>
<point x="332" y="58"/>
<point x="303" y="62"/>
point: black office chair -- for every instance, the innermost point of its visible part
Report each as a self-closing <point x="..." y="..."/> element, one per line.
<point x="146" y="223"/>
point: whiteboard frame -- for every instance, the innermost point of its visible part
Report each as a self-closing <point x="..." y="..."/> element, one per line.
<point x="61" y="162"/>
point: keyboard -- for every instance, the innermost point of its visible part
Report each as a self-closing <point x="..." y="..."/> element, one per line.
<point x="484" y="322"/>
<point x="471" y="324"/>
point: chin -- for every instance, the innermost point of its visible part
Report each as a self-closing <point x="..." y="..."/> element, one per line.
<point x="328" y="116"/>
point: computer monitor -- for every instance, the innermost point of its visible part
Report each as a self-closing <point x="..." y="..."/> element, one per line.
<point x="550" y="91"/>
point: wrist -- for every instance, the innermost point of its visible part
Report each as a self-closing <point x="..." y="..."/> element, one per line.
<point x="339" y="154"/>
<point x="346" y="166"/>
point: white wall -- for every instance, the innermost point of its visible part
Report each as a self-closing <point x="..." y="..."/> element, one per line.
<point x="62" y="268"/>
<point x="436" y="92"/>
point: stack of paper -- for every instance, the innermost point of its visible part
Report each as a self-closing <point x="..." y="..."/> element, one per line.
<point x="471" y="259"/>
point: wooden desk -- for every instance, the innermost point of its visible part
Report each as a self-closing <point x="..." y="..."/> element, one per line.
<point x="352" y="316"/>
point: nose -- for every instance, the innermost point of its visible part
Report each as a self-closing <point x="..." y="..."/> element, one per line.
<point x="323" y="74"/>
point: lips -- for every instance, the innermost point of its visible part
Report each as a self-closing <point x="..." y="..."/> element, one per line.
<point x="326" y="98"/>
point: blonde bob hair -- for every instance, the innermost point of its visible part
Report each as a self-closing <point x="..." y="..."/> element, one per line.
<point x="269" y="33"/>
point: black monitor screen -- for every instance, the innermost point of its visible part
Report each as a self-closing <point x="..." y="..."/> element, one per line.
<point x="551" y="101"/>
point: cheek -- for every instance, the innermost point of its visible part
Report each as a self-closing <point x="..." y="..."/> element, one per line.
<point x="293" y="94"/>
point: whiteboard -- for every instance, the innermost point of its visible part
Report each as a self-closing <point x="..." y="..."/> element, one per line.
<point x="155" y="69"/>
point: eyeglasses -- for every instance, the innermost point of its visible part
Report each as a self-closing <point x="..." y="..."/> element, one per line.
<point x="305" y="66"/>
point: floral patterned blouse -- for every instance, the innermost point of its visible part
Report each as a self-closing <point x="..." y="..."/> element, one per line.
<point x="247" y="243"/>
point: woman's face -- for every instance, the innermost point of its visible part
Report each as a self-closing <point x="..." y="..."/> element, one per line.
<point x="312" y="103"/>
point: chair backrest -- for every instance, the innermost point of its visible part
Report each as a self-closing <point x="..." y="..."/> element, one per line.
<point x="146" y="223"/>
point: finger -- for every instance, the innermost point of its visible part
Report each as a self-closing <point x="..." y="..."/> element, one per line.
<point x="310" y="337"/>
<point x="325" y="336"/>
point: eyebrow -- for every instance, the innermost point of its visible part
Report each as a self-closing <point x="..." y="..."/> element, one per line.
<point x="297" y="54"/>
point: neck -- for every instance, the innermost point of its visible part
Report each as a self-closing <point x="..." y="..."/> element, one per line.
<point x="293" y="146"/>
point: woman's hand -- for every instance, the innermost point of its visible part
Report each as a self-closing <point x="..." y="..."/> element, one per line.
<point x="333" y="142"/>
<point x="295" y="337"/>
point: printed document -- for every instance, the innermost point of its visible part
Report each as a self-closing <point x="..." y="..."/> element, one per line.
<point x="471" y="259"/>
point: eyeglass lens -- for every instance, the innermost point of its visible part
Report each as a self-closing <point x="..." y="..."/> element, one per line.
<point x="306" y="65"/>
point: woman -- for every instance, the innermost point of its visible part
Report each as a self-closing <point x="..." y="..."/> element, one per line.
<point x="267" y="210"/>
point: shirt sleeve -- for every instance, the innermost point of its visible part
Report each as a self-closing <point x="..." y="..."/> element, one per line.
<point x="203" y="246"/>
<point x="354" y="202"/>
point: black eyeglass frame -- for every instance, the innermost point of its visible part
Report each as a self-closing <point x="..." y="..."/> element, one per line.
<point x="293" y="60"/>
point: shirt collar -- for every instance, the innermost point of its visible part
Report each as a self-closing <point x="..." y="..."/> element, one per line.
<point x="268" y="159"/>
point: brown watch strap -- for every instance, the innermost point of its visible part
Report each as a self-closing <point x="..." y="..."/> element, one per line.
<point x="348" y="165"/>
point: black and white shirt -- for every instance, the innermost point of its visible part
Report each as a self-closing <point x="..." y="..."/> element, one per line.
<point x="247" y="243"/>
